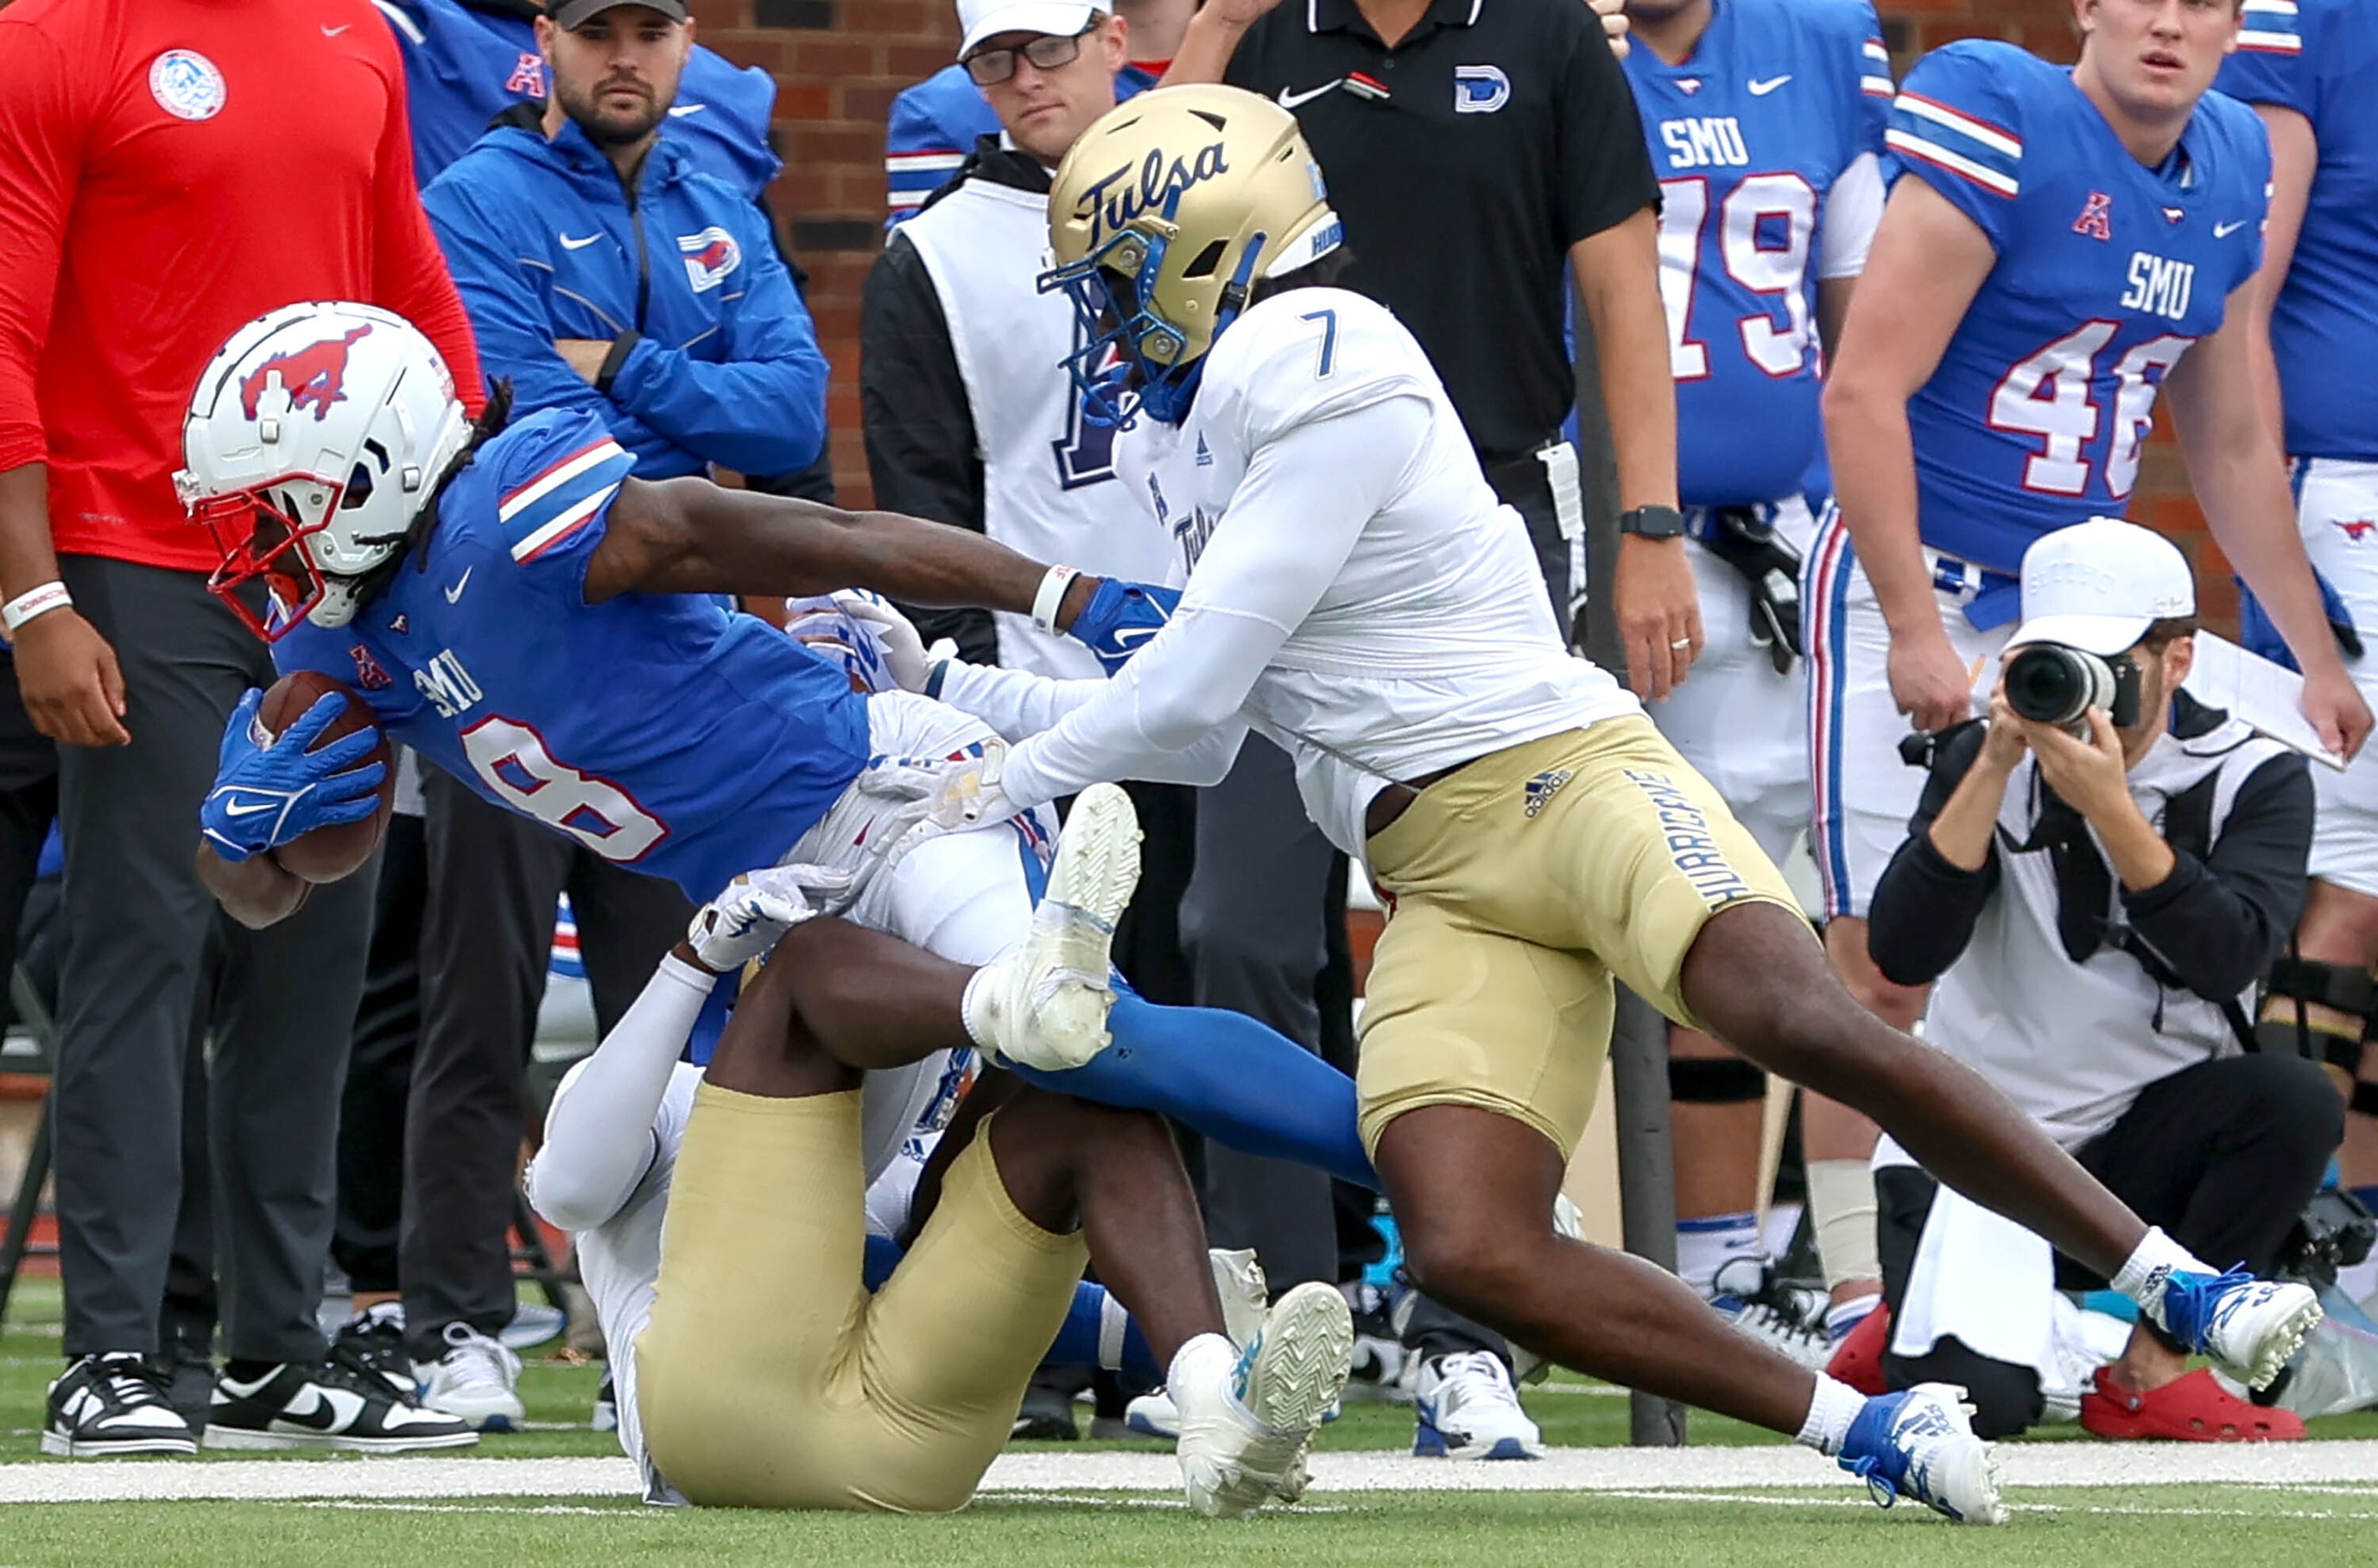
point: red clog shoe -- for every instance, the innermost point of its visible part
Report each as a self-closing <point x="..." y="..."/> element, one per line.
<point x="2193" y="1409"/>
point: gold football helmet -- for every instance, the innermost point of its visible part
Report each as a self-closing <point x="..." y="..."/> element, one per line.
<point x="1161" y="218"/>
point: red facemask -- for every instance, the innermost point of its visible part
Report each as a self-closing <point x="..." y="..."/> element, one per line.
<point x="259" y="539"/>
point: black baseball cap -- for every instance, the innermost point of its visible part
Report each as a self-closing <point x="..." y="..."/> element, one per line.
<point x="575" y="13"/>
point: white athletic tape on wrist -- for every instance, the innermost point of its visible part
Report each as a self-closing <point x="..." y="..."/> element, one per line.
<point x="1053" y="594"/>
<point x="34" y="601"/>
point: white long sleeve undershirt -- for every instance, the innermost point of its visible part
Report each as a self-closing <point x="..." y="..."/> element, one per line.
<point x="1293" y="521"/>
<point x="598" y="1135"/>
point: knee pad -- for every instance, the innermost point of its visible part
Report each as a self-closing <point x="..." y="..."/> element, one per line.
<point x="2338" y="987"/>
<point x="1714" y="1081"/>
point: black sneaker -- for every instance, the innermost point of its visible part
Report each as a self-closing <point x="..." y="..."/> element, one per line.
<point x="109" y="1405"/>
<point x="372" y="1341"/>
<point x="325" y="1404"/>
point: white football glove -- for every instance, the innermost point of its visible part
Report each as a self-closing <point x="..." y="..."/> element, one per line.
<point x="929" y="795"/>
<point x="903" y="649"/>
<point x="747" y="920"/>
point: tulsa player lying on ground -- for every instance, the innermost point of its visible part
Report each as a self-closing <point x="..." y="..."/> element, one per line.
<point x="1355" y="593"/>
<point x="720" y="1226"/>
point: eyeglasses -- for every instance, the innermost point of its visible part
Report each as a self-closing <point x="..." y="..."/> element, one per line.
<point x="989" y="68"/>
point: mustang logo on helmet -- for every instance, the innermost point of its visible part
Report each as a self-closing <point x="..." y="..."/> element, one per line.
<point x="1110" y="206"/>
<point x="314" y="375"/>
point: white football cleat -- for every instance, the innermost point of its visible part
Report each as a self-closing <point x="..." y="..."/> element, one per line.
<point x="2246" y="1327"/>
<point x="1246" y="1421"/>
<point x="1043" y="1003"/>
<point x="1247" y="1293"/>
<point x="1919" y="1442"/>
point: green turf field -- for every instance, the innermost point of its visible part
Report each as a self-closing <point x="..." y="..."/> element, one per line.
<point x="1661" y="1522"/>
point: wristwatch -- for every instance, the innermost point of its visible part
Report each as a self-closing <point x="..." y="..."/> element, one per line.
<point x="1652" y="522"/>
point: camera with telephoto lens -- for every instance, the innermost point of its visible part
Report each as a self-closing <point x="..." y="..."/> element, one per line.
<point x="2050" y="683"/>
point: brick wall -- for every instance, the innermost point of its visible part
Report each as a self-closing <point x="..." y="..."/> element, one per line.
<point x="838" y="63"/>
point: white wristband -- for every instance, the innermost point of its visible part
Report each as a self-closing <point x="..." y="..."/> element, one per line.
<point x="34" y="601"/>
<point x="1052" y="595"/>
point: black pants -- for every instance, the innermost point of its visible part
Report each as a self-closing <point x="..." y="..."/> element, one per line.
<point x="487" y="937"/>
<point x="2223" y="1156"/>
<point x="1256" y="925"/>
<point x="380" y="1069"/>
<point x="136" y="922"/>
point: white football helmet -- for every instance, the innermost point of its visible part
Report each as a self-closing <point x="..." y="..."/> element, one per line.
<point x="315" y="437"/>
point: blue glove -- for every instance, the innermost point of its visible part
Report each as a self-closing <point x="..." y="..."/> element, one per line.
<point x="1120" y="619"/>
<point x="2257" y="635"/>
<point x="269" y="789"/>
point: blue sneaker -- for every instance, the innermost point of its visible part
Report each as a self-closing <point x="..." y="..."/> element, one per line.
<point x="1920" y="1443"/>
<point x="2248" y="1327"/>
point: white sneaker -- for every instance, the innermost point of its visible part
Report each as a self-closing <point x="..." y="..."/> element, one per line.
<point x="1153" y="1415"/>
<point x="1919" y="1442"/>
<point x="1044" y="1002"/>
<point x="1469" y="1410"/>
<point x="1246" y="1421"/>
<point x="475" y="1381"/>
<point x="1788" y="1321"/>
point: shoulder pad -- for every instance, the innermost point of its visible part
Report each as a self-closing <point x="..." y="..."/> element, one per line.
<point x="1308" y="356"/>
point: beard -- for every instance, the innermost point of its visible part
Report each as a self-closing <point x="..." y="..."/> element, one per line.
<point x="608" y="127"/>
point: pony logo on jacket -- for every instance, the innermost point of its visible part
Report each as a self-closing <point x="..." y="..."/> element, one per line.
<point x="710" y="256"/>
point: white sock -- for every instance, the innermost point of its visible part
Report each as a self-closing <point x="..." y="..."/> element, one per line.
<point x="1782" y="1224"/>
<point x="1834" y="1406"/>
<point x="2142" y="1276"/>
<point x="1843" y="1316"/>
<point x="1704" y="1246"/>
<point x="975" y="1008"/>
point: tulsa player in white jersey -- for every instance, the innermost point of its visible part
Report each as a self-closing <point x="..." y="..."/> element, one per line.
<point x="1765" y="120"/>
<point x="2303" y="68"/>
<point x="1355" y="593"/>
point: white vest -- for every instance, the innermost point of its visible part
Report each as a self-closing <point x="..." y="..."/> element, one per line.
<point x="2074" y="1044"/>
<point x="1048" y="480"/>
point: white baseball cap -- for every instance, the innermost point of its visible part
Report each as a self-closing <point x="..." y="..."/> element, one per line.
<point x="2098" y="585"/>
<point x="980" y="19"/>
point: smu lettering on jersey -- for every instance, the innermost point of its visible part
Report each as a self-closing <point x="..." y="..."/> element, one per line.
<point x="2106" y="272"/>
<point x="664" y="731"/>
<point x="2317" y="57"/>
<point x="1750" y="134"/>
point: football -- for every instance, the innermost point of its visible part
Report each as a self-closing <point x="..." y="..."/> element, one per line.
<point x="327" y="854"/>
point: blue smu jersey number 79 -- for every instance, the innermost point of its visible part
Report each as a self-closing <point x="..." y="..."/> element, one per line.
<point x="664" y="731"/>
<point x="2107" y="271"/>
<point x="1750" y="134"/>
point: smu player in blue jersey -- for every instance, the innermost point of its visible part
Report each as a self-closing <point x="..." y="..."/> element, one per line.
<point x="1765" y="121"/>
<point x="544" y="627"/>
<point x="934" y="124"/>
<point x="2058" y="248"/>
<point x="2304" y="66"/>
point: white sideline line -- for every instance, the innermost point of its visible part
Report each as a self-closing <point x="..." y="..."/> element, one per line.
<point x="1615" y="1471"/>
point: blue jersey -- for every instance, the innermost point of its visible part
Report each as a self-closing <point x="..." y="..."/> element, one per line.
<point x="2106" y="272"/>
<point x="664" y="731"/>
<point x="1750" y="134"/>
<point x="2317" y="57"/>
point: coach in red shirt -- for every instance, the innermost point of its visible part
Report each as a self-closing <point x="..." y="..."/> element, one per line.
<point x="169" y="171"/>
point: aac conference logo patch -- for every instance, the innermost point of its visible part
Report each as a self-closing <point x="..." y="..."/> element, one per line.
<point x="186" y="85"/>
<point x="709" y="256"/>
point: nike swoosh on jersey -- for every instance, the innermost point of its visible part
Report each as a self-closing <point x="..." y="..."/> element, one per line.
<point x="569" y="244"/>
<point x="1290" y="98"/>
<point x="454" y="594"/>
<point x="2223" y="230"/>
<point x="1762" y="89"/>
<point x="680" y="111"/>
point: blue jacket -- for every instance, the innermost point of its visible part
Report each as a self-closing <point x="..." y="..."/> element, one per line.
<point x="715" y="359"/>
<point x="467" y="61"/>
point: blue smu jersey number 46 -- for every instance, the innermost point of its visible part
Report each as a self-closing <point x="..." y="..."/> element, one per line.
<point x="2107" y="271"/>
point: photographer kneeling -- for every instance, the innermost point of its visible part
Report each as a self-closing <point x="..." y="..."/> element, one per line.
<point x="2096" y="887"/>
